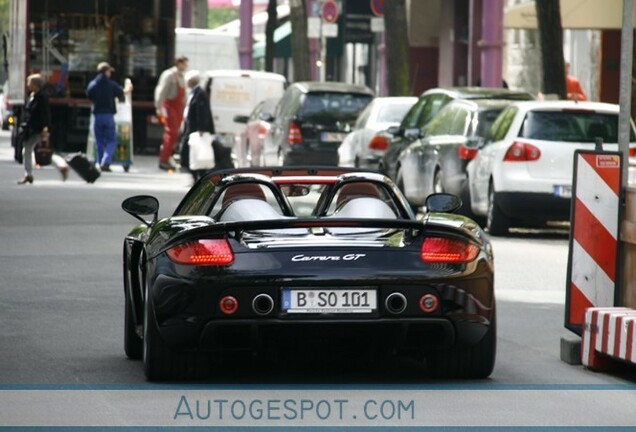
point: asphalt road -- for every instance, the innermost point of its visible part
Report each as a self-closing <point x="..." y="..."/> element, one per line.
<point x="61" y="306"/>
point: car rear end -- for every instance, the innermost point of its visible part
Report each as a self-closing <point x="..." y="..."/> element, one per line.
<point x="391" y="288"/>
<point x="323" y="121"/>
<point x="533" y="172"/>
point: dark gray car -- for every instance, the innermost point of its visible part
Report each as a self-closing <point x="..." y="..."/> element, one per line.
<point x="437" y="162"/>
<point x="313" y="118"/>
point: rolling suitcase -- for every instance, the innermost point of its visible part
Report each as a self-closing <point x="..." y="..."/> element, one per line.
<point x="82" y="166"/>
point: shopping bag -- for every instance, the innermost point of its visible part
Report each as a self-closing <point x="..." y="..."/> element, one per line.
<point x="201" y="152"/>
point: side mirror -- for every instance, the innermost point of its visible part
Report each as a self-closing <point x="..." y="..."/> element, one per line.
<point x="474" y="142"/>
<point x="142" y="205"/>
<point x="413" y="133"/>
<point x="443" y="203"/>
<point x="394" y="130"/>
<point x="266" y="117"/>
<point x="241" y="119"/>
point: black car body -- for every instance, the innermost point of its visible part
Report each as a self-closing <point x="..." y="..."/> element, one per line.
<point x="426" y="108"/>
<point x="244" y="264"/>
<point x="313" y="118"/>
<point x="437" y="162"/>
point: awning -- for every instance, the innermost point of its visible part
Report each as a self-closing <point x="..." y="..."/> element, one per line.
<point x="575" y="14"/>
<point x="282" y="43"/>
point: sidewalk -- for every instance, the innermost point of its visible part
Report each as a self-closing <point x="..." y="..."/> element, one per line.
<point x="144" y="172"/>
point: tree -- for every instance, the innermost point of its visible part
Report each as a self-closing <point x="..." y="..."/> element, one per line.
<point x="397" y="53"/>
<point x="270" y="27"/>
<point x="299" y="41"/>
<point x="551" y="39"/>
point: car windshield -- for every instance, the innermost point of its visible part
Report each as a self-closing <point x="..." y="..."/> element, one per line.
<point x="571" y="126"/>
<point x="327" y="106"/>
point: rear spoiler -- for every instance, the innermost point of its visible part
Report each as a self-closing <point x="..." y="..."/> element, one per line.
<point x="285" y="171"/>
<point x="276" y="224"/>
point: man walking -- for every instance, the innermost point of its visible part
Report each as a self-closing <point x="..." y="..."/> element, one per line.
<point x="169" y="103"/>
<point x="102" y="91"/>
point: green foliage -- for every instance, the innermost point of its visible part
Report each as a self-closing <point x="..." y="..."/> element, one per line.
<point x="4" y="16"/>
<point x="219" y="16"/>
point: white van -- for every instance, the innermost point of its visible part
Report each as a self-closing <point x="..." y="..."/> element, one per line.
<point x="207" y="49"/>
<point x="237" y="92"/>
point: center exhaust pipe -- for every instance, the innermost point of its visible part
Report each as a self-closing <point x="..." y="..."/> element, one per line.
<point x="395" y="303"/>
<point x="263" y="304"/>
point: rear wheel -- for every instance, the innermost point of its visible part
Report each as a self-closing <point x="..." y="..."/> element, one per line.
<point x="497" y="222"/>
<point x="476" y="361"/>
<point x="133" y="344"/>
<point x="163" y="363"/>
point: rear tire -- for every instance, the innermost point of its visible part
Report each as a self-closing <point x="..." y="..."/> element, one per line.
<point x="473" y="362"/>
<point x="133" y="344"/>
<point x="399" y="181"/>
<point x="497" y="222"/>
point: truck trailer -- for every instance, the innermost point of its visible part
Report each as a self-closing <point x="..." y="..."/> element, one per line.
<point x="64" y="40"/>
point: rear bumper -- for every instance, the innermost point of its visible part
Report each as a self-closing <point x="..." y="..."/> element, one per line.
<point x="529" y="206"/>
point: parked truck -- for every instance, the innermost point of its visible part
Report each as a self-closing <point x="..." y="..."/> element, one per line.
<point x="64" y="40"/>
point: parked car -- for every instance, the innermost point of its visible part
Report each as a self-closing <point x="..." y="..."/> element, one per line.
<point x="313" y="118"/>
<point x="428" y="105"/>
<point x="256" y="128"/>
<point x="437" y="162"/>
<point x="360" y="148"/>
<point x="6" y="115"/>
<point x="522" y="175"/>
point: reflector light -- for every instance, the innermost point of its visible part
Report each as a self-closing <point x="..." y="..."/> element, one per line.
<point x="444" y="250"/>
<point x="379" y="142"/>
<point x="466" y="153"/>
<point x="228" y="305"/>
<point x="202" y="252"/>
<point x="522" y="152"/>
<point x="294" y="135"/>
<point x="428" y="303"/>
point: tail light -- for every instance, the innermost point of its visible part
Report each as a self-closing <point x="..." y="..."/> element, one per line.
<point x="522" y="152"/>
<point x="262" y="131"/>
<point x="294" y="135"/>
<point x="445" y="250"/>
<point x="632" y="151"/>
<point x="379" y="142"/>
<point x="466" y="153"/>
<point x="202" y="252"/>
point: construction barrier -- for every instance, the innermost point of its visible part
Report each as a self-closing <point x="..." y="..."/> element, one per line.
<point x="593" y="265"/>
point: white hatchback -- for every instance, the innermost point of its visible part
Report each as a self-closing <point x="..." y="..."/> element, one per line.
<point x="522" y="175"/>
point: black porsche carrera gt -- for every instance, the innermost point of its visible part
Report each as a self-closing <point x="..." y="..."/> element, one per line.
<point x="254" y="259"/>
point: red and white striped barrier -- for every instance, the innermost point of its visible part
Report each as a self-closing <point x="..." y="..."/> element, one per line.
<point x="593" y="264"/>
<point x="608" y="332"/>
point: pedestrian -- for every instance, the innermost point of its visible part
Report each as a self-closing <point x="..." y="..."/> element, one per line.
<point x="198" y="118"/>
<point x="102" y="92"/>
<point x="35" y="128"/>
<point x="169" y="103"/>
<point x="573" y="86"/>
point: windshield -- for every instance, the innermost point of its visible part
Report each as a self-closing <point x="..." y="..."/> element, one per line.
<point x="333" y="106"/>
<point x="485" y="120"/>
<point x="571" y="126"/>
<point x="393" y="113"/>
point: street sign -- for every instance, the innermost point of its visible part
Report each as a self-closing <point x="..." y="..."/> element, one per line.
<point x="330" y="30"/>
<point x="377" y="24"/>
<point x="329" y="12"/>
<point x="377" y="7"/>
<point x="313" y="27"/>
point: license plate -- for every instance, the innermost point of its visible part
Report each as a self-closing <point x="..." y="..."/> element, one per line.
<point x="330" y="301"/>
<point x="332" y="137"/>
<point x="563" y="191"/>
